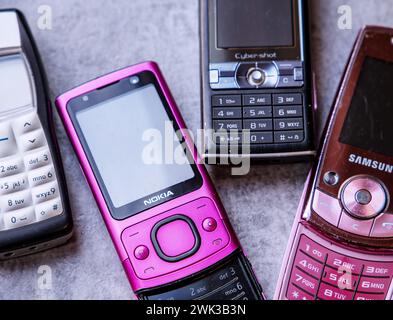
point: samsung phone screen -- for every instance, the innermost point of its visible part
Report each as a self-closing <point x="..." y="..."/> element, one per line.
<point x="369" y="121"/>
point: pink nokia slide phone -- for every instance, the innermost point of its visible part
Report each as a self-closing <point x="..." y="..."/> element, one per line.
<point x="166" y="221"/>
<point x="341" y="245"/>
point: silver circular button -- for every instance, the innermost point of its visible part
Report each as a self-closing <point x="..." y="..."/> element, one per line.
<point x="331" y="178"/>
<point x="363" y="197"/>
<point x="256" y="77"/>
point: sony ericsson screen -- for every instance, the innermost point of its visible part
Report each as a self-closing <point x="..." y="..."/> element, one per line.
<point x="134" y="146"/>
<point x="254" y="23"/>
<point x="368" y="124"/>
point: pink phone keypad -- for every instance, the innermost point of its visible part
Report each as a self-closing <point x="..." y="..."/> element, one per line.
<point x="322" y="274"/>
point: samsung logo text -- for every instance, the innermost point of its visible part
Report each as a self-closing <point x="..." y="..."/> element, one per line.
<point x="373" y="164"/>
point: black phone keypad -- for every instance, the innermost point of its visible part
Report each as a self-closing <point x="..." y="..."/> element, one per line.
<point x="270" y="118"/>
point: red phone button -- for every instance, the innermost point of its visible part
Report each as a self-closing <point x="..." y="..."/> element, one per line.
<point x="383" y="227"/>
<point x="176" y="238"/>
<point x="209" y="225"/>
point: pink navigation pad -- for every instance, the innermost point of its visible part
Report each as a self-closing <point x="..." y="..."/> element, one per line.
<point x="176" y="238"/>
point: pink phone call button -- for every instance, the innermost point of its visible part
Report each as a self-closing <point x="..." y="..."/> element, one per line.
<point x="141" y="253"/>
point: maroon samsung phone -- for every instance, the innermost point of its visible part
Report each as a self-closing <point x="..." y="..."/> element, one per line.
<point x="341" y="245"/>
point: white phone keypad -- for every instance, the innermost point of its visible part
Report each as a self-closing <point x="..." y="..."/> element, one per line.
<point x="29" y="190"/>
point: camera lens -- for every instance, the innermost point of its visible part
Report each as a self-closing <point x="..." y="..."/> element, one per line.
<point x="134" y="80"/>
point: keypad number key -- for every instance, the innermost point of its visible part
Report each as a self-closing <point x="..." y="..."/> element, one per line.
<point x="288" y="111"/>
<point x="227" y="125"/>
<point x="37" y="159"/>
<point x="258" y="125"/>
<point x="15" y="201"/>
<point x="11" y="167"/>
<point x="13" y="184"/>
<point x="227" y="113"/>
<point x="227" y="101"/>
<point x="258" y="138"/>
<point x="19" y="218"/>
<point x="257" y="100"/>
<point x="45" y="192"/>
<point x="288" y="99"/>
<point x="288" y="124"/>
<point x="257" y="112"/>
<point x="41" y="176"/>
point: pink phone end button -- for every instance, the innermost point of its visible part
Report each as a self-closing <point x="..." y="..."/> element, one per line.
<point x="209" y="225"/>
<point x="327" y="207"/>
<point x="383" y="226"/>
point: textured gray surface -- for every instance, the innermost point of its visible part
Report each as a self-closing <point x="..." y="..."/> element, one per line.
<point x="93" y="37"/>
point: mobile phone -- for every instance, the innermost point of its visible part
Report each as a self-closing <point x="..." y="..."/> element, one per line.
<point x="342" y="240"/>
<point x="167" y="223"/>
<point x="257" y="85"/>
<point x="34" y="209"/>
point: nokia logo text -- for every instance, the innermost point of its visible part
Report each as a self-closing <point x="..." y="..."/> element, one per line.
<point x="158" y="197"/>
<point x="380" y="166"/>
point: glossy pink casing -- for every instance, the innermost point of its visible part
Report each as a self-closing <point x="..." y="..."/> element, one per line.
<point x="116" y="228"/>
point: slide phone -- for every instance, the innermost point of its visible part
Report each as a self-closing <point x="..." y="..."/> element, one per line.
<point x="167" y="223"/>
<point x="34" y="209"/>
<point x="257" y="85"/>
<point x="342" y="240"/>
